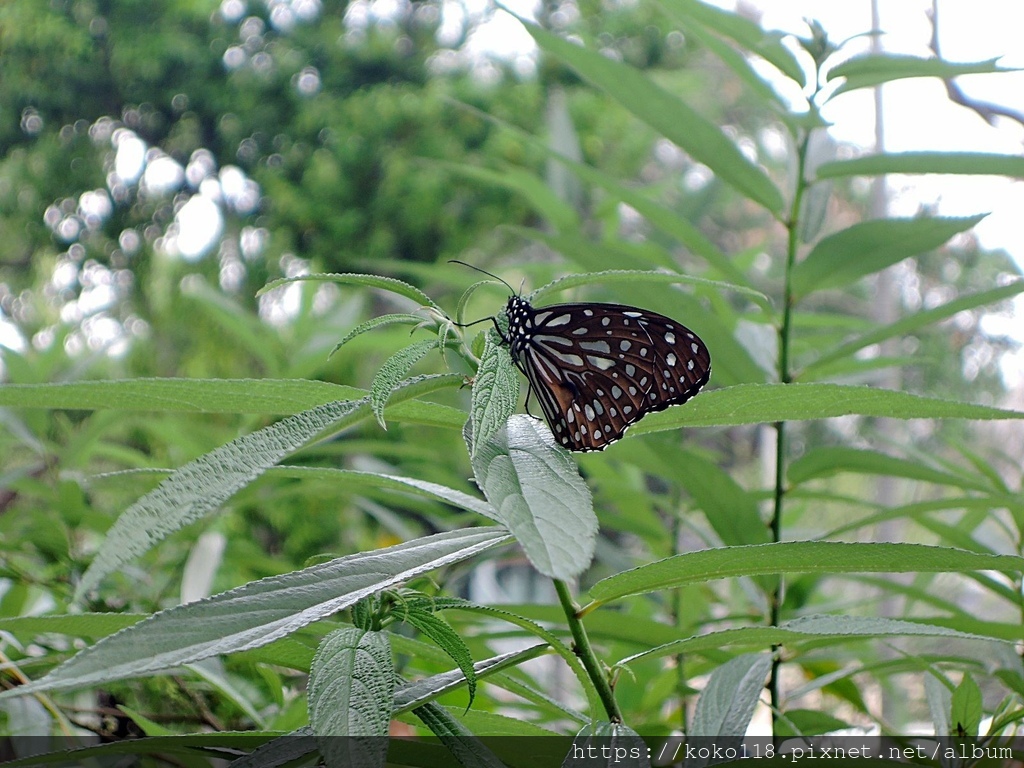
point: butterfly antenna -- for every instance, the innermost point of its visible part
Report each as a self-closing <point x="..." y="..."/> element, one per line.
<point x="483" y="271"/>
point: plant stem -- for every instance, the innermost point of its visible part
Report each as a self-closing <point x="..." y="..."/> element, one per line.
<point x="583" y="649"/>
<point x="785" y="377"/>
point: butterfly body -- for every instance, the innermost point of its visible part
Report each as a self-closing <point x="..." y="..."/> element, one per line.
<point x="598" y="368"/>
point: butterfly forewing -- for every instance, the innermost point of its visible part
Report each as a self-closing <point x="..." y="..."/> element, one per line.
<point x="598" y="368"/>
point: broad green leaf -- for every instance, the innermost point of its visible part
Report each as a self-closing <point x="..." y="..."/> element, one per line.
<point x="643" y="276"/>
<point x="539" y="494"/>
<point x="351" y="686"/>
<point x="795" y="557"/>
<point x="604" y="744"/>
<point x="665" y="113"/>
<point x="377" y="322"/>
<point x="495" y="392"/>
<point x="448" y="640"/>
<point x="391" y="374"/>
<point x="743" y="31"/>
<point x="258" y="613"/>
<point x="873" y="69"/>
<point x="972" y="163"/>
<point x="870" y="246"/>
<point x="813" y="628"/>
<point x="726" y="704"/>
<point x="966" y="709"/>
<point x="390" y="284"/>
<point x="829" y="461"/>
<point x="201" y="486"/>
<point x="918" y="320"/>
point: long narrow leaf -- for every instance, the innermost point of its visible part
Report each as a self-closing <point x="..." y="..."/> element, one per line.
<point x="667" y="114"/>
<point x="869" y="246"/>
<point x="258" y="613"/>
<point x="202" y="485"/>
<point x="768" y="403"/>
<point x="806" y="628"/>
<point x="919" y="320"/>
<point x="796" y="557"/>
<point x="972" y="163"/>
<point x="873" y="69"/>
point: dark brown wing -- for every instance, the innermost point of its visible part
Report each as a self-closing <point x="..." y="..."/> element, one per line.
<point x="598" y="368"/>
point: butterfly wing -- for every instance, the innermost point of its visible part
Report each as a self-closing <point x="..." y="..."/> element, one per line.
<point x="598" y="368"/>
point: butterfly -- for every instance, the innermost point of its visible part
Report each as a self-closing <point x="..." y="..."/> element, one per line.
<point x="598" y="368"/>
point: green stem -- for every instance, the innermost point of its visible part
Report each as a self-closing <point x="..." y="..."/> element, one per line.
<point x="785" y="376"/>
<point x="583" y="649"/>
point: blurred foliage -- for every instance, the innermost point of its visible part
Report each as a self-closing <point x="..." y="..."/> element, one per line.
<point x="367" y="141"/>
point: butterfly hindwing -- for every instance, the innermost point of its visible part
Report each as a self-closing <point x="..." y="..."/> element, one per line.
<point x="598" y="368"/>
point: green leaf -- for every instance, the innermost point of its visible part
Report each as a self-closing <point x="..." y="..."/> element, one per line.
<point x="391" y="374"/>
<point x="441" y="633"/>
<point x="972" y="163"/>
<point x="768" y="403"/>
<point x="539" y="494"/>
<point x="743" y="31"/>
<point x="495" y="392"/>
<point x="732" y="511"/>
<point x="726" y="704"/>
<point x="665" y="113"/>
<point x="377" y="322"/>
<point x="351" y="686"/>
<point x="966" y="709"/>
<point x="392" y="482"/>
<point x="796" y="557"/>
<point x="273" y="396"/>
<point x="918" y="320"/>
<point x="831" y="460"/>
<point x="390" y="284"/>
<point x="279" y="396"/>
<point x="808" y="722"/>
<point x="460" y="309"/>
<point x="643" y="276"/>
<point x="873" y="69"/>
<point x="416" y="694"/>
<point x="870" y="246"/>
<point x="201" y="486"/>
<point x="259" y="612"/>
<point x="812" y="628"/>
